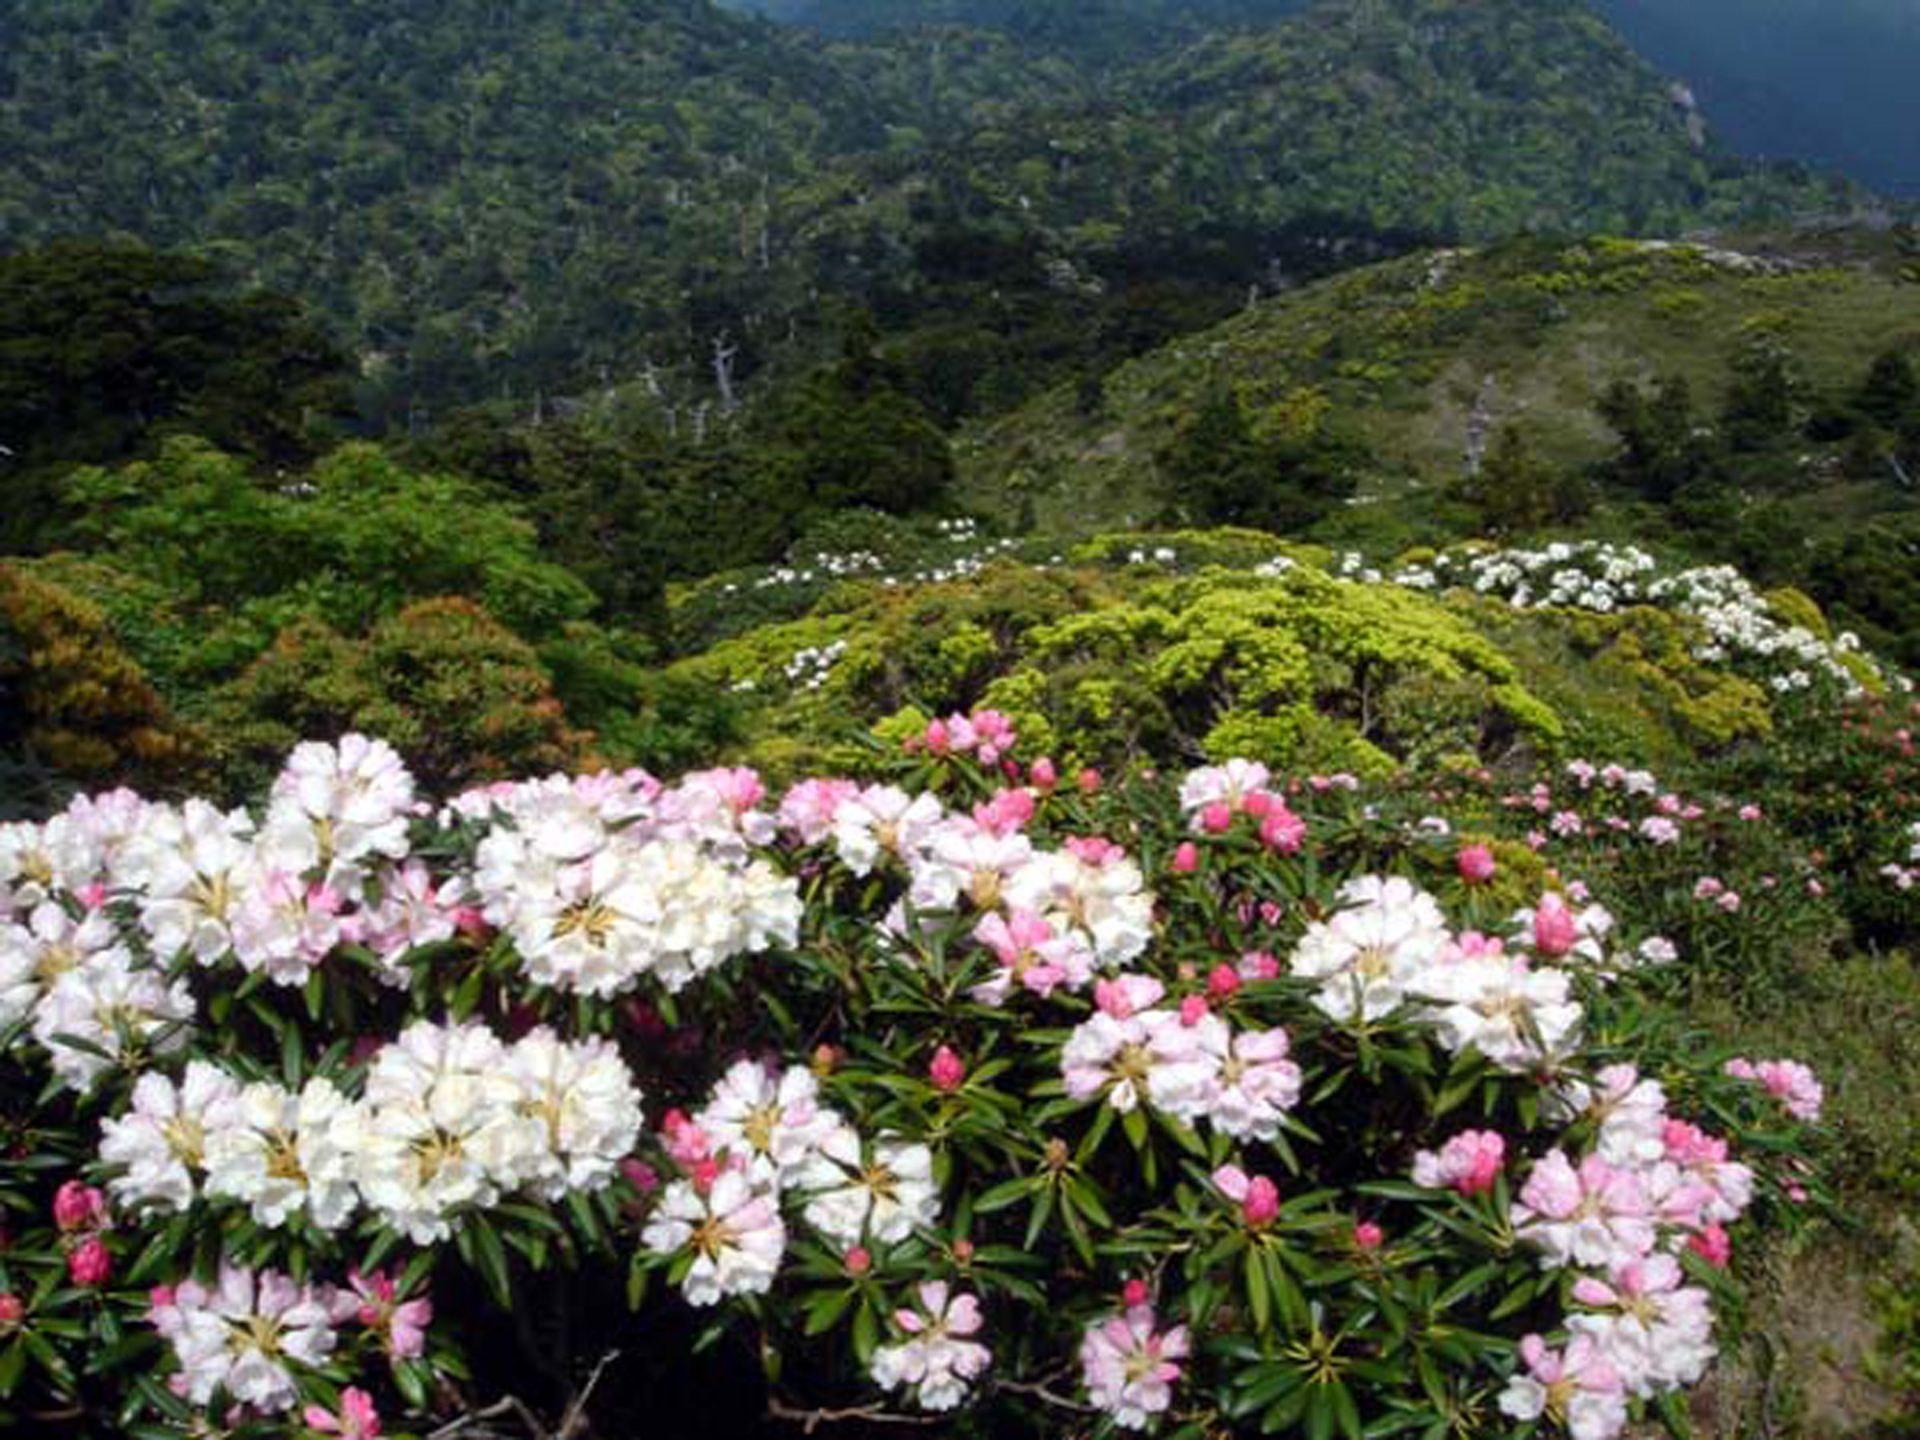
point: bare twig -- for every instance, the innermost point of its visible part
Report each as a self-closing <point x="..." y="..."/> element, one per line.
<point x="574" y="1422"/>
<point x="477" y="1420"/>
<point x="875" y="1414"/>
<point x="1039" y="1391"/>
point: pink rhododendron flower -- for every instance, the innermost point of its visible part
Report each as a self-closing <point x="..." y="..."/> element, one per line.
<point x="1032" y="954"/>
<point x="1470" y="1162"/>
<point x="1257" y="1196"/>
<point x="1712" y="1243"/>
<point x="1578" y="1388"/>
<point x="1596" y="1215"/>
<point x="356" y="1419"/>
<point x="400" y="1324"/>
<point x="1129" y="1369"/>
<point x="938" y="1360"/>
<point x="1283" y="831"/>
<point x="1007" y="813"/>
<point x="1222" y="982"/>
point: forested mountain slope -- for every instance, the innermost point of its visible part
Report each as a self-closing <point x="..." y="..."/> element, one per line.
<point x="494" y="197"/>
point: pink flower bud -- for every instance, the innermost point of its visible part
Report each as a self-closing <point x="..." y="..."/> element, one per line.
<point x="1216" y="818"/>
<point x="1262" y="1204"/>
<point x="936" y="737"/>
<point x="12" y="1311"/>
<point x="1089" y="781"/>
<point x="946" y="1070"/>
<point x="963" y="1252"/>
<point x="642" y="1176"/>
<point x="1368" y="1236"/>
<point x="1222" y="981"/>
<point x="1042" y="775"/>
<point x="1554" y="932"/>
<point x="1133" y="1293"/>
<point x="90" y="1264"/>
<point x="1258" y="802"/>
<point x="1475" y="863"/>
<point x="1193" y="1009"/>
<point x="704" y="1173"/>
<point x="1186" y="858"/>
<point x="859" y="1260"/>
<point x="1713" y="1243"/>
<point x="1283" y="831"/>
<point x="78" y="1206"/>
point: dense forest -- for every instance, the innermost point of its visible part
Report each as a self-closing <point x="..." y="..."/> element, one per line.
<point x="492" y="199"/>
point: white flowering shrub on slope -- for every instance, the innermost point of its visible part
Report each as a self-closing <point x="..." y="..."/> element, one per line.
<point x="1220" y="1104"/>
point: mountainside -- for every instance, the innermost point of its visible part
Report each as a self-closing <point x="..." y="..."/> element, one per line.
<point x="484" y="193"/>
<point x="496" y="198"/>
<point x="1780" y="378"/>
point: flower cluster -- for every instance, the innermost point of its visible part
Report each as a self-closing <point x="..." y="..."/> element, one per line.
<point x="1601" y="577"/>
<point x="1652" y="1186"/>
<point x="765" y="1139"/>
<point x="451" y="1119"/>
<point x="1004" y="1055"/>
<point x="605" y="879"/>
<point x="249" y="1335"/>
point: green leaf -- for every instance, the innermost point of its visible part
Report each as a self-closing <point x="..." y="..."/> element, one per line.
<point x="866" y="1332"/>
<point x="491" y="1259"/>
<point x="1005" y="1194"/>
<point x="13" y="1361"/>
<point x="1256" y="1281"/>
<point x="825" y="1309"/>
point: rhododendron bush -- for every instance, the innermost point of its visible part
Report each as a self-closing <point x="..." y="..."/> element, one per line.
<point x="1215" y="1102"/>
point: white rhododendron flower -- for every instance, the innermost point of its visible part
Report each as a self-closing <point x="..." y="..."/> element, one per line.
<point x="282" y="1154"/>
<point x="772" y="1123"/>
<point x="1105" y="899"/>
<point x="584" y="1106"/>
<point x="883" y="821"/>
<point x="336" y="810"/>
<point x="1520" y="1017"/>
<point x="439" y="1129"/>
<point x="884" y="1194"/>
<point x="162" y="1141"/>
<point x="1367" y="955"/>
<point x="127" y="1013"/>
<point x="193" y="866"/>
<point x="733" y="1232"/>
<point x="44" y="944"/>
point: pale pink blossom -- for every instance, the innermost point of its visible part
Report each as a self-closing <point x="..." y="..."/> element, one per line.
<point x="1577" y="1388"/>
<point x="1129" y="1369"/>
<point x="1470" y="1162"/>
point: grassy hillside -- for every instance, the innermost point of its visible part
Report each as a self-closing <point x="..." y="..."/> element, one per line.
<point x="1402" y="353"/>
